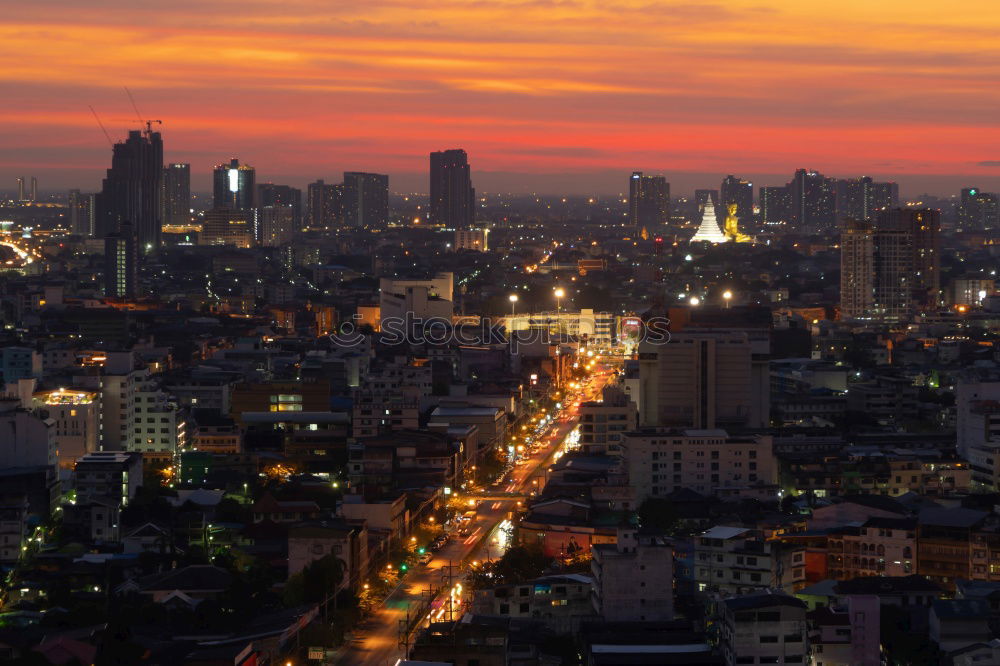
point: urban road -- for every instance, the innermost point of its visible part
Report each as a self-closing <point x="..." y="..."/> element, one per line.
<point x="377" y="640"/>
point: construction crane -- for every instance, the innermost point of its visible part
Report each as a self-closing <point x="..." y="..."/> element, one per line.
<point x="148" y="123"/>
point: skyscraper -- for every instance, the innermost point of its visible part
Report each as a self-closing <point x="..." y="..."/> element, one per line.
<point x="81" y="213"/>
<point x="121" y="263"/>
<point x="978" y="210"/>
<point x="323" y="204"/>
<point x="648" y="202"/>
<point x="700" y="380"/>
<point x="366" y="199"/>
<point x="177" y="194"/>
<point x="282" y="196"/>
<point x="892" y="267"/>
<point x="740" y="192"/>
<point x="453" y="199"/>
<point x="813" y="200"/>
<point x="862" y="198"/>
<point x="923" y="228"/>
<point x="233" y="185"/>
<point x="775" y="203"/>
<point x="132" y="189"/>
<point x="857" y="270"/>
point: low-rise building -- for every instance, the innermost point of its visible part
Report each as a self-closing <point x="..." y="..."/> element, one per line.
<point x="561" y="602"/>
<point x="345" y="540"/>
<point x="633" y="578"/>
<point x="661" y="461"/>
<point x="763" y="628"/>
<point x="108" y="474"/>
<point x="603" y="423"/>
<point x="737" y="560"/>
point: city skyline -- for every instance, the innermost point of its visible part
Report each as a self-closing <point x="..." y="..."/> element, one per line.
<point x="749" y="88"/>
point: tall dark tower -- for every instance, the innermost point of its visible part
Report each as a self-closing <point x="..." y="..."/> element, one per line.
<point x="121" y="263"/>
<point x="177" y="194"/>
<point x="233" y="185"/>
<point x="132" y="189"/>
<point x="453" y="199"/>
<point x="738" y="191"/>
<point x="365" y="201"/>
<point x="648" y="202"/>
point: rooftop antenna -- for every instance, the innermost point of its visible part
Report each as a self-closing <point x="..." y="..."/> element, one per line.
<point x="101" y="125"/>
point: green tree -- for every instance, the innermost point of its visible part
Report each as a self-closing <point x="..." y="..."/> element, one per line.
<point x="315" y="582"/>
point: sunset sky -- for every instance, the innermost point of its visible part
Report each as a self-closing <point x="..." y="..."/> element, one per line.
<point x="567" y="95"/>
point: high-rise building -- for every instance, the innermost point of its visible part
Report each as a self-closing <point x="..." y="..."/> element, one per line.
<point x="225" y="226"/>
<point x="857" y="270"/>
<point x="813" y="200"/>
<point x="740" y="192"/>
<point x="132" y="189"/>
<point x="701" y="380"/>
<point x="452" y="197"/>
<point x="177" y="194"/>
<point x="233" y="185"/>
<point x="323" y="204"/>
<point x="885" y="195"/>
<point x="366" y="199"/>
<point x="862" y="198"/>
<point x="978" y="210"/>
<point x="923" y="228"/>
<point x="20" y="188"/>
<point x="281" y="196"/>
<point x="81" y="213"/>
<point x="121" y="263"/>
<point x="274" y="225"/>
<point x="775" y="205"/>
<point x="892" y="266"/>
<point x="648" y="202"/>
<point x="34" y="189"/>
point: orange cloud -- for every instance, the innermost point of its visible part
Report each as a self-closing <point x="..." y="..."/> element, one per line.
<point x="303" y="87"/>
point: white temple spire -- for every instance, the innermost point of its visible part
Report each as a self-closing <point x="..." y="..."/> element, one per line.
<point x="709" y="230"/>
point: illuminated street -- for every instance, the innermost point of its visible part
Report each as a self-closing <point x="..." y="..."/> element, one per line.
<point x="377" y="640"/>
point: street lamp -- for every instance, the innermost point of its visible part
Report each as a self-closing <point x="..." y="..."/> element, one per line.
<point x="694" y="300"/>
<point x="513" y="304"/>
<point x="727" y="296"/>
<point x="559" y="293"/>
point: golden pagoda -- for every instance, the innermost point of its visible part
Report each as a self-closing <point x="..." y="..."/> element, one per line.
<point x="733" y="226"/>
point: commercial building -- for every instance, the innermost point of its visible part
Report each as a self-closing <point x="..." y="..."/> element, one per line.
<point x="234" y="186"/>
<point x="452" y="197"/>
<point x="176" y="195"/>
<point x="324" y="204"/>
<point x="737" y="191"/>
<point x="419" y="299"/>
<point x="227" y="226"/>
<point x="597" y="328"/>
<point x="702" y="380"/>
<point x="76" y="421"/>
<point x="132" y="189"/>
<point x="603" y="423"/>
<point x="661" y="461"/>
<point x="365" y="201"/>
<point x="472" y="239"/>
<point x="648" y="202"/>
<point x="121" y="263"/>
<point x="857" y="269"/>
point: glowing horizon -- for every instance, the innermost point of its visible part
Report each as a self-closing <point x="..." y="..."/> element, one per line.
<point x="301" y="90"/>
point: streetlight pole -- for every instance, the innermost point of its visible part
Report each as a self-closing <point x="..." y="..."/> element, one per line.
<point x="727" y="296"/>
<point x="513" y="304"/>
